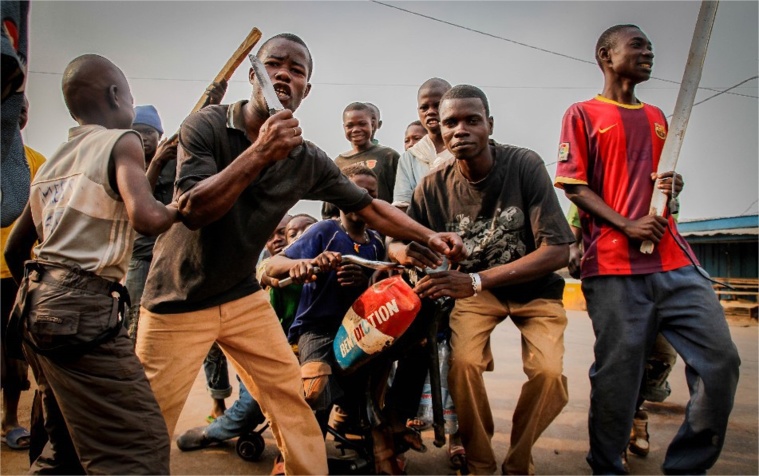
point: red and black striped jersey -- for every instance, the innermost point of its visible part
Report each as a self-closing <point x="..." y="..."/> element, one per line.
<point x="613" y="148"/>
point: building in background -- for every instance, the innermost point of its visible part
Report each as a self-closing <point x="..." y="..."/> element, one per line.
<point x="727" y="249"/>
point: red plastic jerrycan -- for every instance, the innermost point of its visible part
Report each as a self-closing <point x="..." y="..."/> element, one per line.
<point x="375" y="321"/>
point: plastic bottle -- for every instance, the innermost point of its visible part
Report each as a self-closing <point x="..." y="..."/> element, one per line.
<point x="425" y="405"/>
<point x="449" y="412"/>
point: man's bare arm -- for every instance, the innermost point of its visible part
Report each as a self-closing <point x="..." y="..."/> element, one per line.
<point x="645" y="228"/>
<point x="147" y="215"/>
<point x="456" y="284"/>
<point x="166" y="152"/>
<point x="302" y="270"/>
<point x="213" y="197"/>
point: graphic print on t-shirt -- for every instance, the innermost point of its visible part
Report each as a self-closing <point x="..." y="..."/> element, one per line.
<point x="491" y="241"/>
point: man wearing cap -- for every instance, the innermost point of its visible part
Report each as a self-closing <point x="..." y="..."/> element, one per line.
<point x="161" y="169"/>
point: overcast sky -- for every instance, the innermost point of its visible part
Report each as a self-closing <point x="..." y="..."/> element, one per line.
<point x="532" y="59"/>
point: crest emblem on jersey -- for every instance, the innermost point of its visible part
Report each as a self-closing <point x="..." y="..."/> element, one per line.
<point x="661" y="133"/>
<point x="563" y="151"/>
<point x="371" y="163"/>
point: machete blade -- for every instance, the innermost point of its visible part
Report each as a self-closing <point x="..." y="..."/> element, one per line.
<point x="272" y="101"/>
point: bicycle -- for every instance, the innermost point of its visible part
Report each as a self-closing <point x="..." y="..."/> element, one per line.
<point x="373" y="447"/>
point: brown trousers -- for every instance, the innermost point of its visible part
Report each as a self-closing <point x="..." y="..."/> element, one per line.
<point x="172" y="348"/>
<point x="544" y="395"/>
<point x="100" y="414"/>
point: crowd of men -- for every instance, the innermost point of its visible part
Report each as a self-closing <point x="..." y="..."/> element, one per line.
<point x="217" y="198"/>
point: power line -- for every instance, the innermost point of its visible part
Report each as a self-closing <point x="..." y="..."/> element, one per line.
<point x="509" y="40"/>
<point x="726" y="90"/>
<point x="721" y="92"/>
<point x="389" y="85"/>
<point x="574" y="58"/>
<point x="750" y="206"/>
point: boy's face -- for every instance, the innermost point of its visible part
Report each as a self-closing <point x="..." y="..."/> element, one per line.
<point x="465" y="127"/>
<point x="287" y="65"/>
<point x="413" y="135"/>
<point x="632" y="55"/>
<point x="150" y="139"/>
<point x="358" y="128"/>
<point x="277" y="240"/>
<point x="368" y="183"/>
<point x="428" y="102"/>
<point x="296" y="227"/>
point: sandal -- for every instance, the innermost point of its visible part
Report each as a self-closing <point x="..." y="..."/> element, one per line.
<point x="417" y="424"/>
<point x="17" y="438"/>
<point x="279" y="466"/>
<point x="456" y="456"/>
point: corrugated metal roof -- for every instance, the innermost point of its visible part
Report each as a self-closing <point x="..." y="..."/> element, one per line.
<point x="723" y="225"/>
<point x="730" y="232"/>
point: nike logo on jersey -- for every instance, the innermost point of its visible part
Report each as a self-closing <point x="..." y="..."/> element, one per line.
<point x="607" y="129"/>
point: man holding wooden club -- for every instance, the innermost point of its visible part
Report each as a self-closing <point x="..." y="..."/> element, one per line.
<point x="608" y="157"/>
<point x="240" y="169"/>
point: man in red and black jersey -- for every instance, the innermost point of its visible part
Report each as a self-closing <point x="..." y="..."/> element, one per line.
<point x="608" y="157"/>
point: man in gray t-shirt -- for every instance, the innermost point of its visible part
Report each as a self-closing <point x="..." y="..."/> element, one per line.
<point x="500" y="200"/>
<point x="238" y="172"/>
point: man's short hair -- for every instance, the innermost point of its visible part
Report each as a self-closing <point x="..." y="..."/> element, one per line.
<point x="358" y="169"/>
<point x="414" y="123"/>
<point x="467" y="91"/>
<point x="304" y="215"/>
<point x="608" y="39"/>
<point x="295" y="39"/>
<point x="433" y="82"/>
<point x="374" y="108"/>
<point x="357" y="106"/>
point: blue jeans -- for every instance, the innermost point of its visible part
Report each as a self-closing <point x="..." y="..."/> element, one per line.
<point x="136" y="276"/>
<point x="627" y="313"/>
<point x="217" y="373"/>
<point x="243" y="416"/>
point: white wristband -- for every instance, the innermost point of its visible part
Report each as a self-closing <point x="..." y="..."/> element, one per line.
<point x="476" y="283"/>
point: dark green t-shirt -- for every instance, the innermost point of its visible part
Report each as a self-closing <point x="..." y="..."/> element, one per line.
<point x="502" y="218"/>
<point x="195" y="270"/>
<point x="382" y="160"/>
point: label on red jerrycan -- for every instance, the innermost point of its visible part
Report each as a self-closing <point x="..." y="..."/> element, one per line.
<point x="377" y="318"/>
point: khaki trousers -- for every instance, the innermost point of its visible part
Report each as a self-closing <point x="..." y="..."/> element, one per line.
<point x="172" y="348"/>
<point x="542" y="323"/>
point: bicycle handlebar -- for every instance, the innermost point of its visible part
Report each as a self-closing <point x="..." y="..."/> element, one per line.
<point x="353" y="259"/>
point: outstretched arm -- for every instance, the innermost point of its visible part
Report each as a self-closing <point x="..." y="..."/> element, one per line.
<point x="301" y="270"/>
<point x="390" y="221"/>
<point x="147" y="215"/>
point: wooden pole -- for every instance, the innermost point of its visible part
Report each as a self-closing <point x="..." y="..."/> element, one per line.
<point x="683" y="106"/>
<point x="227" y="70"/>
<point x="232" y="63"/>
